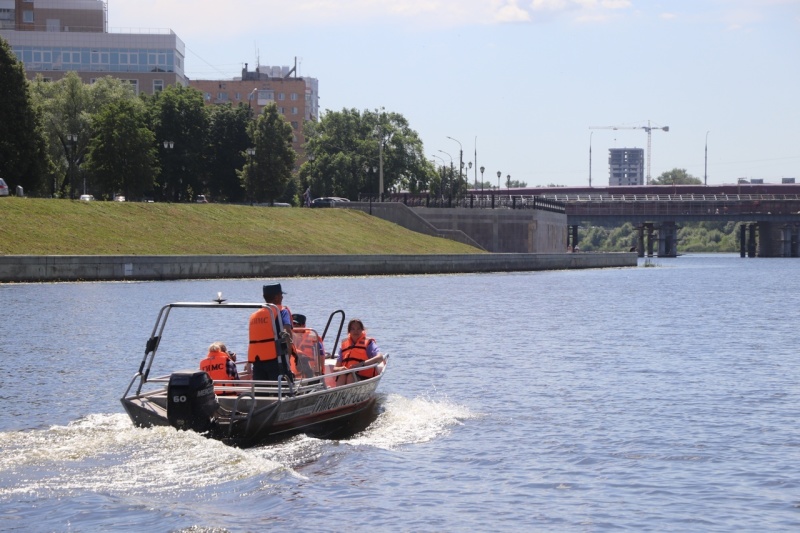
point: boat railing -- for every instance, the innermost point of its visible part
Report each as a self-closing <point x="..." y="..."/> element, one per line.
<point x="260" y="388"/>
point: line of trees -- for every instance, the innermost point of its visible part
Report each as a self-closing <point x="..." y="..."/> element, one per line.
<point x="64" y="138"/>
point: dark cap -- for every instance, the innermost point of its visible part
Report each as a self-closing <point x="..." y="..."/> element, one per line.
<point x="298" y="319"/>
<point x="272" y="289"/>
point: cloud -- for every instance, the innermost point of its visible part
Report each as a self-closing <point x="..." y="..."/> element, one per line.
<point x="511" y="12"/>
<point x="204" y="17"/>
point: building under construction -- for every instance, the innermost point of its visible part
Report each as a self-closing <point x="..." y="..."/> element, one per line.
<point x="625" y="166"/>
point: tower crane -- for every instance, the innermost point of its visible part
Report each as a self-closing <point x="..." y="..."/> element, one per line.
<point x="647" y="128"/>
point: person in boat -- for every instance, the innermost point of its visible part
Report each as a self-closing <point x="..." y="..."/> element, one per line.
<point x="307" y="363"/>
<point x="267" y="358"/>
<point x="358" y="350"/>
<point x="219" y="364"/>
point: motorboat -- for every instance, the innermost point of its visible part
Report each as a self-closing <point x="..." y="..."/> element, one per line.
<point x="314" y="399"/>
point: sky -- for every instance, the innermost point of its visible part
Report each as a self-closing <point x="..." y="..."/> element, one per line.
<point x="532" y="87"/>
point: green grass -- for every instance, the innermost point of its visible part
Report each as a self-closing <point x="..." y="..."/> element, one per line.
<point x="30" y="226"/>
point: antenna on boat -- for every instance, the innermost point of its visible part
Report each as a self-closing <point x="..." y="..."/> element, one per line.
<point x="219" y="298"/>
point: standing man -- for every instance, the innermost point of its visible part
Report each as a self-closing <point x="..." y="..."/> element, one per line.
<point x="307" y="197"/>
<point x="268" y="351"/>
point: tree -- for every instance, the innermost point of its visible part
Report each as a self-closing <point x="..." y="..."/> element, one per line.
<point x="269" y="170"/>
<point x="23" y="149"/>
<point x="122" y="155"/>
<point x="68" y="106"/>
<point x="228" y="141"/>
<point x="676" y="176"/>
<point x="344" y="151"/>
<point x="180" y="117"/>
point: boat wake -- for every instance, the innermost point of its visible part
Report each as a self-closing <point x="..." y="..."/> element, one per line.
<point x="410" y="421"/>
<point x="106" y="453"/>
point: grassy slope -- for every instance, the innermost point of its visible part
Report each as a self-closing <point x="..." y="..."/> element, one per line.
<point x="30" y="226"/>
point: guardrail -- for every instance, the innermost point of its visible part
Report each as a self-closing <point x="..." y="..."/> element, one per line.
<point x="472" y="201"/>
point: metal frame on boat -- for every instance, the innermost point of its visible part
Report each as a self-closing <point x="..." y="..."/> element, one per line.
<point x="251" y="412"/>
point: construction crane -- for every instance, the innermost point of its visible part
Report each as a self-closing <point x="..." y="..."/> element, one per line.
<point x="647" y="128"/>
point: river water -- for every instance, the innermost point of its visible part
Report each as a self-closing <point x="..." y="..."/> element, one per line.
<point x="661" y="399"/>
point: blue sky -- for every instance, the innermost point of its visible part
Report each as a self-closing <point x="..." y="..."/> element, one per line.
<point x="523" y="81"/>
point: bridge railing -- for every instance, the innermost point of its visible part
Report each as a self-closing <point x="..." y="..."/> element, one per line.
<point x="472" y="201"/>
<point x="675" y="206"/>
<point x="568" y="198"/>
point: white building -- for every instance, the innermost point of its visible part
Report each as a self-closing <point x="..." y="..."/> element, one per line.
<point x="53" y="37"/>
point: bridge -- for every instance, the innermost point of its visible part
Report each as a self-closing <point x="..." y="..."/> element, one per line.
<point x="769" y="222"/>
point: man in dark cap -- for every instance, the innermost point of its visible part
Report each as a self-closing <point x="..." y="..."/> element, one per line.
<point x="267" y="351"/>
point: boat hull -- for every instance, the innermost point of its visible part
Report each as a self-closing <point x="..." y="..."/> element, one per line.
<point x="248" y="421"/>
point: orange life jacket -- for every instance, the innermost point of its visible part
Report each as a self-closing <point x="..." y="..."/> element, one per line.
<point x="306" y="342"/>
<point x="263" y="335"/>
<point x="215" y="365"/>
<point x="354" y="353"/>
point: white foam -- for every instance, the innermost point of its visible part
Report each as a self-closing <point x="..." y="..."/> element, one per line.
<point x="105" y="452"/>
<point x="409" y="421"/>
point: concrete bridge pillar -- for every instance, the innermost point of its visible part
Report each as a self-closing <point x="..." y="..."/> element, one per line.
<point x="650" y="239"/>
<point x="742" y="240"/>
<point x="751" y="242"/>
<point x="668" y="240"/>
<point x="640" y="241"/>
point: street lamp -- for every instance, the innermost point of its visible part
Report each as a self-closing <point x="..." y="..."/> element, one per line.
<point x="460" y="159"/>
<point x="451" y="170"/>
<point x="590" y="158"/>
<point x="250" y="98"/>
<point x="498" y="180"/>
<point x="72" y="139"/>
<point x="508" y="182"/>
<point x="705" y="171"/>
<point x="482" y="169"/>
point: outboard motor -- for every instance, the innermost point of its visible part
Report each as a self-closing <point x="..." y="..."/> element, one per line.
<point x="191" y="402"/>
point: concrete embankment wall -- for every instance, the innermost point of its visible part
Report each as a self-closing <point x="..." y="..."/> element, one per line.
<point x="531" y="231"/>
<point x="17" y="268"/>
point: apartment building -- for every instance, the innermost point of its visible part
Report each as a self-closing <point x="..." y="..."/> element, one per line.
<point x="53" y="37"/>
<point x="297" y="98"/>
<point x="626" y="166"/>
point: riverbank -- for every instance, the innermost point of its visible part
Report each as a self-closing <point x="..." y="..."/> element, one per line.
<point x="35" y="226"/>
<point x="131" y="268"/>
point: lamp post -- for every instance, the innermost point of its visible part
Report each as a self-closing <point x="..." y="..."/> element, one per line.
<point x="72" y="139"/>
<point x="168" y="145"/>
<point x="441" y="180"/>
<point x="482" y="169"/>
<point x="508" y="182"/>
<point x="705" y="170"/>
<point x="460" y="159"/>
<point x="498" y="180"/>
<point x="451" y="171"/>
<point x="476" y="161"/>
<point x="590" y="158"/>
<point x="250" y="98"/>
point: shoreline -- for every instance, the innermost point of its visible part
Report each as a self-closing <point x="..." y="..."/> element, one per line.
<point x="53" y="268"/>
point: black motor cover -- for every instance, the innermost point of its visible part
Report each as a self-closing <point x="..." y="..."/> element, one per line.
<point x="191" y="401"/>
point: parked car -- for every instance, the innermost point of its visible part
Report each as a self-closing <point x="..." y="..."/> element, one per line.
<point x="327" y="201"/>
<point x="3" y="188"/>
<point x="86" y="197"/>
<point x="119" y="198"/>
<point x="201" y="199"/>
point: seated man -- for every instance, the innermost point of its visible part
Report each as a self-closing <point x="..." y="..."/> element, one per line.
<point x="220" y="365"/>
